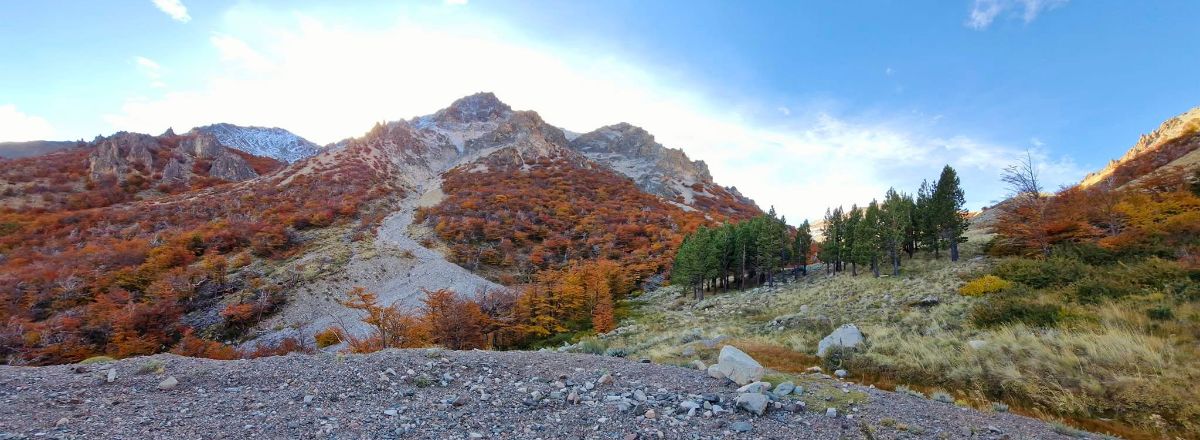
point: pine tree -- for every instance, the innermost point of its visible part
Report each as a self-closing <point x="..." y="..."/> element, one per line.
<point x="850" y="242"/>
<point x="947" y="217"/>
<point x="802" y="246"/>
<point x="770" y="244"/>
<point x="895" y="221"/>
<point x="867" y="238"/>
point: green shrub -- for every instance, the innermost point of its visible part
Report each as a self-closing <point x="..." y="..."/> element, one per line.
<point x="1000" y="311"/>
<point x="1151" y="272"/>
<point x="591" y="345"/>
<point x="1040" y="274"/>
<point x="1096" y="289"/>
<point x="1160" y="313"/>
<point x="96" y="360"/>
<point x="1087" y="252"/>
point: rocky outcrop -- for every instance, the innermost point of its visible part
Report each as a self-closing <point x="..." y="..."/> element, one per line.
<point x="231" y="167"/>
<point x="665" y="172"/>
<point x="167" y="157"/>
<point x="116" y="154"/>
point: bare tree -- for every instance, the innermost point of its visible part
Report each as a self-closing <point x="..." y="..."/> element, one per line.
<point x="1022" y="222"/>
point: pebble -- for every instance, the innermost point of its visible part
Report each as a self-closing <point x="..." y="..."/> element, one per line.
<point x="112" y="375"/>
<point x="831" y="412"/>
<point x="168" y="383"/>
<point x="61" y="422"/>
<point x="742" y="426"/>
<point x="308" y="398"/>
<point x="639" y="395"/>
<point x="390" y="412"/>
<point x="841" y="373"/>
<point x="606" y="379"/>
<point x="650" y="414"/>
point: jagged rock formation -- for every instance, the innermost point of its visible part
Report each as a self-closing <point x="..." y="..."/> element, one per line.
<point x="276" y="143"/>
<point x="1174" y="143"/>
<point x="666" y="172"/>
<point x="168" y="157"/>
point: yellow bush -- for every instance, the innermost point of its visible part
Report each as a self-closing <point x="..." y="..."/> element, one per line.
<point x="327" y="337"/>
<point x="984" y="285"/>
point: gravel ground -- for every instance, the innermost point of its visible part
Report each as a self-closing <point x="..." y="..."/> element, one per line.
<point x="439" y="394"/>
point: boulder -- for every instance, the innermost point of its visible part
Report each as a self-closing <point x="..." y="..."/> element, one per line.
<point x="738" y="366"/>
<point x="784" y="389"/>
<point x="753" y="402"/>
<point x="715" y="372"/>
<point x="846" y="336"/>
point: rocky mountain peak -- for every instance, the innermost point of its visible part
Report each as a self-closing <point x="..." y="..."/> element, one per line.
<point x="172" y="157"/>
<point x="273" y="142"/>
<point x="1175" y="138"/>
<point x="483" y="106"/>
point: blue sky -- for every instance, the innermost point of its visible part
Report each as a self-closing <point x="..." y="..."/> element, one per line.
<point x="800" y="104"/>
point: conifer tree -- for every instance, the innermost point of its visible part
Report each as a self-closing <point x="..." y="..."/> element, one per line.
<point x="802" y="246"/>
<point x="947" y="217"/>
<point x="850" y="242"/>
<point x="895" y="221"/>
<point x="867" y="238"/>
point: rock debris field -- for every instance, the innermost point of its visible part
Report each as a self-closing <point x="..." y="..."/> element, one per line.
<point x="440" y="394"/>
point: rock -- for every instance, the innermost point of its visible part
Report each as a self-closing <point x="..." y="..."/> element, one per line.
<point x="650" y="414"/>
<point x="739" y="366"/>
<point x="699" y="364"/>
<point x="831" y="412"/>
<point x="639" y="395"/>
<point x="390" y="412"/>
<point x="799" y="391"/>
<point x="308" y="398"/>
<point x="573" y="397"/>
<point x="112" y="375"/>
<point x="688" y="405"/>
<point x="536" y="395"/>
<point x="841" y="373"/>
<point x="977" y="344"/>
<point x="753" y="402"/>
<point x="784" y="389"/>
<point x="688" y="351"/>
<point x="714" y="342"/>
<point x="61" y="422"/>
<point x="606" y="379"/>
<point x="715" y="372"/>
<point x="813" y="369"/>
<point x="845" y="337"/>
<point x="168" y="383"/>
<point x="928" y="301"/>
<point x="756" y="387"/>
<point x="742" y="426"/>
<point x="476" y="435"/>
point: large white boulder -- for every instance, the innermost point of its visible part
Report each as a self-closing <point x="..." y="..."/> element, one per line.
<point x="738" y="366"/>
<point x="846" y="336"/>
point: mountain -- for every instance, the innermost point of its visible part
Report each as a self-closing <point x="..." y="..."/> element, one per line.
<point x="153" y="237"/>
<point x="276" y="143"/>
<point x="13" y="150"/>
<point x="1176" y="143"/>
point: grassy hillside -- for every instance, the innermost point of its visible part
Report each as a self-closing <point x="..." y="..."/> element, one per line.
<point x="1111" y="347"/>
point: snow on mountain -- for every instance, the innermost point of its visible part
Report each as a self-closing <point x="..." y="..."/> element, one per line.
<point x="275" y="143"/>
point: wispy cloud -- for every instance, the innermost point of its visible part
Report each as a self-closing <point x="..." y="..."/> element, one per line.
<point x="327" y="80"/>
<point x="984" y="12"/>
<point x="18" y="126"/>
<point x="173" y="8"/>
<point x="151" y="69"/>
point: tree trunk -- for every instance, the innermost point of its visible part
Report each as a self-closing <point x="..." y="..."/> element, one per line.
<point x="953" y="250"/>
<point x="895" y="262"/>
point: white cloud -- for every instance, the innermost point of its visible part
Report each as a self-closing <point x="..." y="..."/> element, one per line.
<point x="151" y="69"/>
<point x="984" y="12"/>
<point x="16" y="126"/>
<point x="173" y="8"/>
<point x="328" y="80"/>
<point x="783" y="110"/>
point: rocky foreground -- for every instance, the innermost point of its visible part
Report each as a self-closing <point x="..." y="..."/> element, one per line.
<point x="440" y="394"/>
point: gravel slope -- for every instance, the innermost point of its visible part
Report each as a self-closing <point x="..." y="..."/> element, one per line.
<point x="440" y="394"/>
